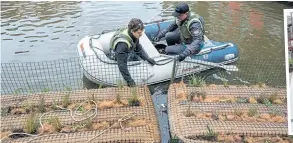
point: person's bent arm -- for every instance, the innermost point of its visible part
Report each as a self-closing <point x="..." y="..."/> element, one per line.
<point x="121" y="56"/>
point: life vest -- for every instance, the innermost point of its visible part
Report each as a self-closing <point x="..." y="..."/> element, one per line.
<point x="185" y="34"/>
<point x="122" y="35"/>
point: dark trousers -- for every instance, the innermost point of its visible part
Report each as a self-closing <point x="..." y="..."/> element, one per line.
<point x="175" y="47"/>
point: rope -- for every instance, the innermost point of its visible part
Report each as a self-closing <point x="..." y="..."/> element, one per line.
<point x="135" y="63"/>
<point x="71" y="114"/>
<point x="124" y="118"/>
<point x="49" y="135"/>
<point x="159" y="28"/>
<point x="38" y="135"/>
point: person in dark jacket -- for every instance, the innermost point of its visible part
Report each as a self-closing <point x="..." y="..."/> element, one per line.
<point x="125" y="47"/>
<point x="185" y="36"/>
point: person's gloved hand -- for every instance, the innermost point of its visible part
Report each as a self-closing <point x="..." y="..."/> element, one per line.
<point x="156" y="39"/>
<point x="131" y="83"/>
<point x="181" y="57"/>
<point x="151" y="61"/>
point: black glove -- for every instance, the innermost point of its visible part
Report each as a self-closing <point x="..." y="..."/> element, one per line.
<point x="156" y="39"/>
<point x="151" y="61"/>
<point x="181" y="57"/>
<point x="131" y="83"/>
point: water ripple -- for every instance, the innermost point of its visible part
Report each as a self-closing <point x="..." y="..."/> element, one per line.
<point x="42" y="36"/>
<point x="55" y="23"/>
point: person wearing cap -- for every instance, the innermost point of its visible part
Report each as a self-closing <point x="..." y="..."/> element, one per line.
<point x="185" y="36"/>
<point x="125" y="47"/>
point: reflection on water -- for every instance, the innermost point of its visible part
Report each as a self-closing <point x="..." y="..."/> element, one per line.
<point x="54" y="28"/>
<point x="51" y="30"/>
<point x="42" y="28"/>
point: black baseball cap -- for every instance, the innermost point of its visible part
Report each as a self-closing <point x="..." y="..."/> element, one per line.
<point x="180" y="9"/>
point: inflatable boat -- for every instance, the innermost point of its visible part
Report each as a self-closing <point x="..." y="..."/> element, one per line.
<point x="100" y="69"/>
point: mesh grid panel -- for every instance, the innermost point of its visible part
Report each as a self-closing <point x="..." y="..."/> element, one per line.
<point x="147" y="132"/>
<point x="191" y="117"/>
<point x="32" y="77"/>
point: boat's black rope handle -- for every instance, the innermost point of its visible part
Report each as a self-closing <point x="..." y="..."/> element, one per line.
<point x="92" y="47"/>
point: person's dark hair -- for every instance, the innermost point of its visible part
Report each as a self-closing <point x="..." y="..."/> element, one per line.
<point x="135" y="24"/>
